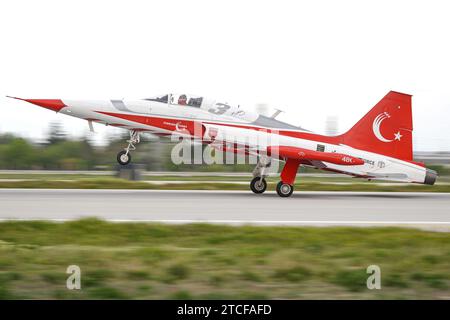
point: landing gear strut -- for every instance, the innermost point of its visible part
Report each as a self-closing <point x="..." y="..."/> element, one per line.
<point x="124" y="156"/>
<point x="286" y="186"/>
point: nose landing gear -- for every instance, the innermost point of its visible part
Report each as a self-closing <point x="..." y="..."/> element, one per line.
<point x="124" y="156"/>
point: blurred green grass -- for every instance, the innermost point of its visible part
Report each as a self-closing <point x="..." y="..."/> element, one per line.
<point x="151" y="261"/>
<point x="115" y="183"/>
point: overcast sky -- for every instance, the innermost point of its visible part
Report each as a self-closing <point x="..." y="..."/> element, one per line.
<point x="311" y="58"/>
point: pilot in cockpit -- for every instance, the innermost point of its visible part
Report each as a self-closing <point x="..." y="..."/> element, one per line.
<point x="182" y="100"/>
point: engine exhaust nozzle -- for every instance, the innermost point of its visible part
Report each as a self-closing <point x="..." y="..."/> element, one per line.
<point x="430" y="177"/>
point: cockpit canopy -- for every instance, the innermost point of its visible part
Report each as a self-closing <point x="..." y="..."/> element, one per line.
<point x="218" y="109"/>
<point x="179" y="99"/>
<point x="163" y="99"/>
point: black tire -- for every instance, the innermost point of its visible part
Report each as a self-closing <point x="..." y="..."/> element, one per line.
<point x="284" y="190"/>
<point x="123" y="158"/>
<point x="257" y="185"/>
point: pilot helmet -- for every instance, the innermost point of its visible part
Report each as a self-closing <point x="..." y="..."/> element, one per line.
<point x="182" y="98"/>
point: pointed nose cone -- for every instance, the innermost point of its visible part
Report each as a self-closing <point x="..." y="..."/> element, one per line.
<point x="51" y="104"/>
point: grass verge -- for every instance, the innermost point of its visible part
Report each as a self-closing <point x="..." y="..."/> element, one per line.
<point x="151" y="261"/>
<point x="114" y="183"/>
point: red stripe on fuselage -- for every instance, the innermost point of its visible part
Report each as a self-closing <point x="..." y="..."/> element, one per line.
<point x="171" y="124"/>
<point x="162" y="123"/>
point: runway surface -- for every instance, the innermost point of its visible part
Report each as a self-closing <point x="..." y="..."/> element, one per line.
<point x="425" y="210"/>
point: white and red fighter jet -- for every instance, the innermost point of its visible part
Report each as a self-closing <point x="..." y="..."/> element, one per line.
<point x="379" y="146"/>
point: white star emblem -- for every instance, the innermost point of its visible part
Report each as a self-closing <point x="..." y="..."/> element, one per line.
<point x="398" y="136"/>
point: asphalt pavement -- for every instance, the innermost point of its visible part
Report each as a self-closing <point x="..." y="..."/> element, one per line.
<point x="424" y="210"/>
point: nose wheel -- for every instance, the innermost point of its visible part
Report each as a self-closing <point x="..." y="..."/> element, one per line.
<point x="284" y="190"/>
<point x="124" y="156"/>
<point x="258" y="185"/>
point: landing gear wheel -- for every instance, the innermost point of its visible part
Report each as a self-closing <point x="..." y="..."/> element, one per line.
<point x="258" y="185"/>
<point x="284" y="190"/>
<point x="123" y="158"/>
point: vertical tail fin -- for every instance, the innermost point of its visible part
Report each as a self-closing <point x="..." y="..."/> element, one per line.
<point x="385" y="129"/>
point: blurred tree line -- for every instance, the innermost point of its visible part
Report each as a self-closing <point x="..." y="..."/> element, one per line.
<point x="59" y="151"/>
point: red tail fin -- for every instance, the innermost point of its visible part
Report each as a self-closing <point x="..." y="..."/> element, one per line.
<point x="386" y="129"/>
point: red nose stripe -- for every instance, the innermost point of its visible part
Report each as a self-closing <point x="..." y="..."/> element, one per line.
<point x="51" y="104"/>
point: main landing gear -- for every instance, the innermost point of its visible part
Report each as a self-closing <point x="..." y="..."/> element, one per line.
<point x="124" y="156"/>
<point x="284" y="190"/>
<point x="285" y="187"/>
<point x="258" y="184"/>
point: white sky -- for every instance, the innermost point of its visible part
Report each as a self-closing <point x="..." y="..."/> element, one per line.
<point x="310" y="58"/>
